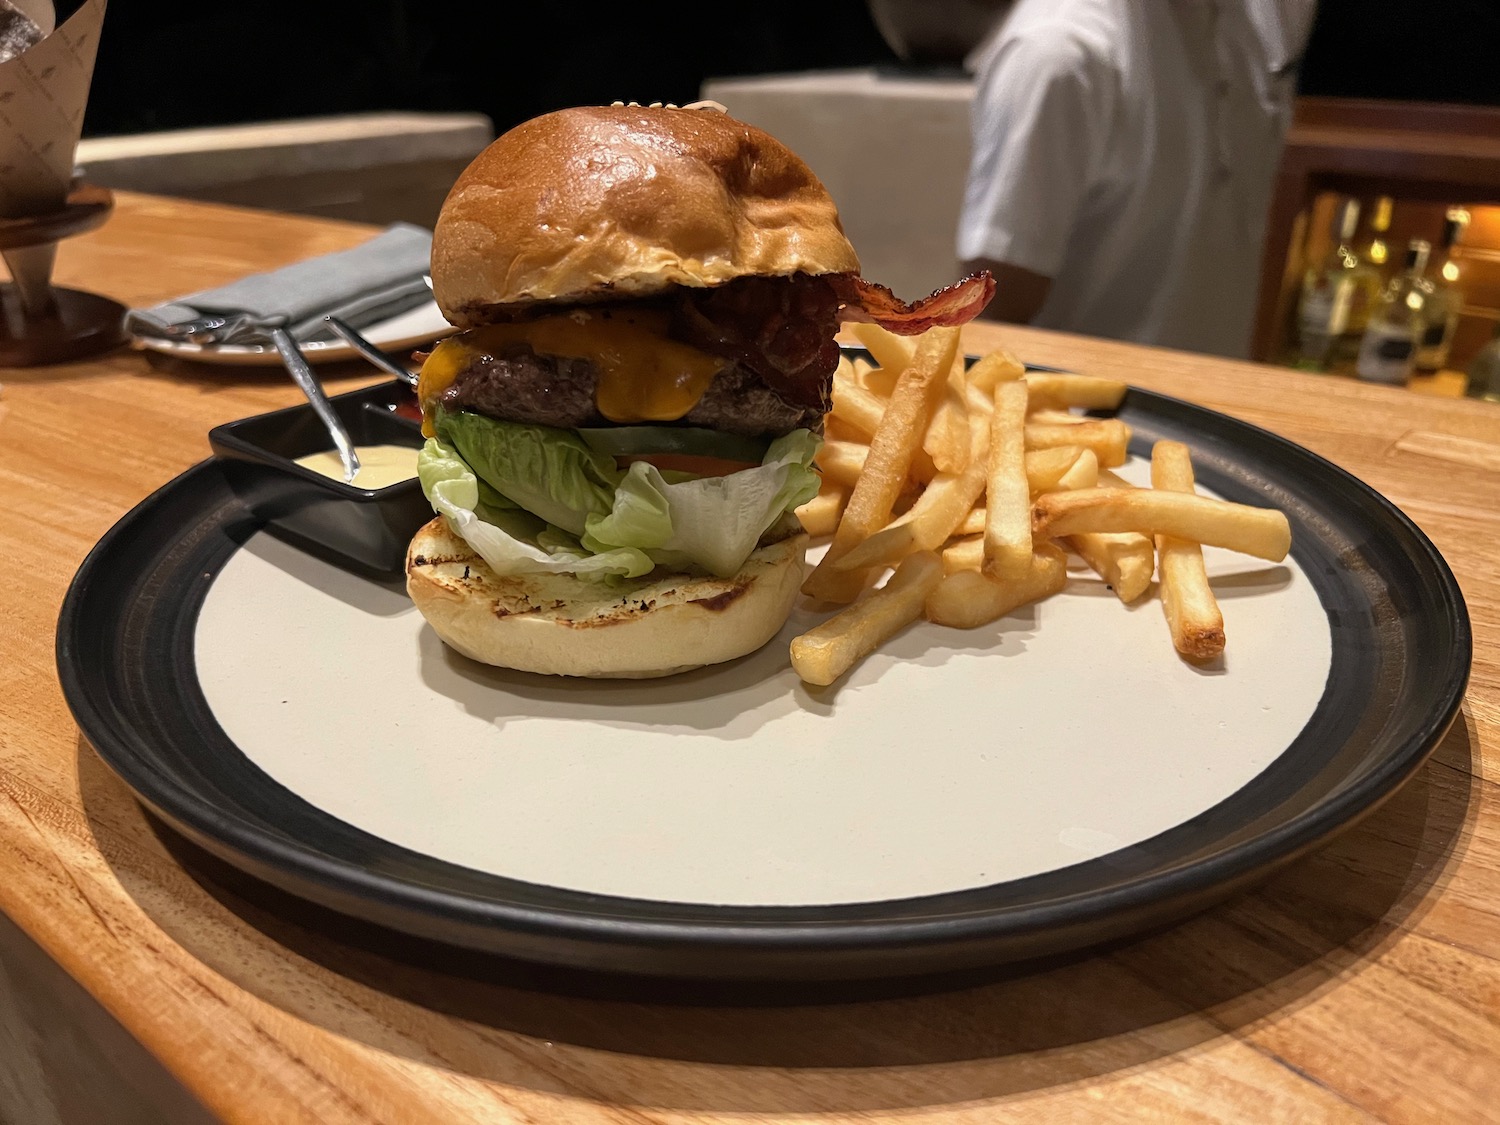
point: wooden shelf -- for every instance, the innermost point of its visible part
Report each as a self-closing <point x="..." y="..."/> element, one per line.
<point x="1409" y="151"/>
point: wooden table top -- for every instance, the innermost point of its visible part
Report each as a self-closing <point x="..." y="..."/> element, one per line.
<point x="1359" y="984"/>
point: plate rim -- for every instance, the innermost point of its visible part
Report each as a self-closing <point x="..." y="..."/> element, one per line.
<point x="1244" y="861"/>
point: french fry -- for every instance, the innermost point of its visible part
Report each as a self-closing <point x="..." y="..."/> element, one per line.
<point x="820" y="515"/>
<point x="859" y="410"/>
<point x="947" y="439"/>
<point x="1083" y="473"/>
<point x="1045" y="467"/>
<point x="881" y="381"/>
<point x="964" y="554"/>
<point x="1124" y="559"/>
<point x="1050" y="414"/>
<point x="842" y="461"/>
<point x="937" y="514"/>
<point x="892" y="449"/>
<point x="943" y="505"/>
<point x="1262" y="532"/>
<point x="891" y="355"/>
<point x="966" y="599"/>
<point x="891" y="351"/>
<point x="970" y="480"/>
<point x="980" y="403"/>
<point x="857" y="407"/>
<point x="1046" y="471"/>
<point x="827" y="651"/>
<point x="1007" y="504"/>
<point x="1051" y="389"/>
<point x="1192" y="612"/>
<point x="1109" y="438"/>
<point x="836" y="429"/>
<point x="886" y="547"/>
<point x="994" y="367"/>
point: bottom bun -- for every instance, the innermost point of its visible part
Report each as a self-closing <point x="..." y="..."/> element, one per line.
<point x="557" y="624"/>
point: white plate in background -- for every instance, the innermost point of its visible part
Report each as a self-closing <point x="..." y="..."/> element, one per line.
<point x="410" y="329"/>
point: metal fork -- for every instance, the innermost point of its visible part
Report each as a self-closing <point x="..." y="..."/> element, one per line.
<point x="302" y="374"/>
<point x="365" y="348"/>
<point x="233" y="328"/>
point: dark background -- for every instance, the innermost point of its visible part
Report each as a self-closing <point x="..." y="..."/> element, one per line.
<point x="167" y="64"/>
<point x="1416" y="50"/>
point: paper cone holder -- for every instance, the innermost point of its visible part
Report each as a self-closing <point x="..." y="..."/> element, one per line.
<point x="48" y="324"/>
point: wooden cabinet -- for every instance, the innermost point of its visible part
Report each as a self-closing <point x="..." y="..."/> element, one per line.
<point x="1425" y="157"/>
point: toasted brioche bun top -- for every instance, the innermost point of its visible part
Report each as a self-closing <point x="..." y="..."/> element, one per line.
<point x="624" y="201"/>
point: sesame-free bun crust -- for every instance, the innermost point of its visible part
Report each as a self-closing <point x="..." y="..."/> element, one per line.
<point x="559" y="625"/>
<point x="611" y="202"/>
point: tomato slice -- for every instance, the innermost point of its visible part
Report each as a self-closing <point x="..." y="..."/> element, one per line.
<point x="624" y="441"/>
<point x="697" y="465"/>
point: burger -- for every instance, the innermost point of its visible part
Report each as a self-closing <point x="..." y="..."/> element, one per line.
<point x="622" y="429"/>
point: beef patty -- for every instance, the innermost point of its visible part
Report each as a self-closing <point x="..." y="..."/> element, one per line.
<point x="775" y="334"/>
<point x="519" y="385"/>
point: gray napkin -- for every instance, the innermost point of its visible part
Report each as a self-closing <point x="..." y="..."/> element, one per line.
<point x="372" y="282"/>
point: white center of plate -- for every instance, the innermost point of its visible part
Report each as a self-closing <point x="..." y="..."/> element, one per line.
<point x="947" y="760"/>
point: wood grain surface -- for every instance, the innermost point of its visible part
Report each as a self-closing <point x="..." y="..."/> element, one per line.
<point x="1360" y="984"/>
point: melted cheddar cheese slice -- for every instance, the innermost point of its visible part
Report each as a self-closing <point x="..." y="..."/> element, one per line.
<point x="643" y="376"/>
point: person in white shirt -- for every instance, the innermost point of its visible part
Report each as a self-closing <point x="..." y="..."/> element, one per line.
<point x="1124" y="153"/>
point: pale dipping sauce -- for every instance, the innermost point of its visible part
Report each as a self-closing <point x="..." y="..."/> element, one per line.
<point x="379" y="465"/>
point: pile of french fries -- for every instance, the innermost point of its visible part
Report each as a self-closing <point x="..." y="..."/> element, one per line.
<point x="968" y="485"/>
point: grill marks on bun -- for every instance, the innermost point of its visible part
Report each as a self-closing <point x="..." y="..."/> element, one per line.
<point x="645" y="627"/>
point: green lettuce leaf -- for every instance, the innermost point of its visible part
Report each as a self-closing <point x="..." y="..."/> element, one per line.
<point x="593" y="511"/>
<point x="511" y="540"/>
<point x="714" y="522"/>
<point x="549" y="472"/>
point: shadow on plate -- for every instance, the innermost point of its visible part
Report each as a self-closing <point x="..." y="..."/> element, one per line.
<point x="734" y="699"/>
<point x="805" y="1049"/>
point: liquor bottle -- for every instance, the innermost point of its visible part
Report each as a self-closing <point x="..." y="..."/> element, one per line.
<point x="1376" y="250"/>
<point x="1446" y="300"/>
<point x="1370" y="274"/>
<point x="1387" y="354"/>
<point x="1334" y="303"/>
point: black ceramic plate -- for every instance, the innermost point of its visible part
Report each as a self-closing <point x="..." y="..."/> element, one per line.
<point x="130" y="673"/>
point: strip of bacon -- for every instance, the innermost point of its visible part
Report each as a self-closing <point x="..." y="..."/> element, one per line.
<point x="952" y="305"/>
